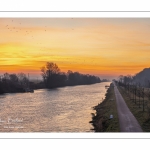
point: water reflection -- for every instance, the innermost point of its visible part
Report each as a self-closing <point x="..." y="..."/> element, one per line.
<point x="66" y="109"/>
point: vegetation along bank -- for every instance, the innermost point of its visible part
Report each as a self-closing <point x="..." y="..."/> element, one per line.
<point x="106" y="117"/>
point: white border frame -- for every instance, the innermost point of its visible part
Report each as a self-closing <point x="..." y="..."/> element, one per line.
<point x="80" y="14"/>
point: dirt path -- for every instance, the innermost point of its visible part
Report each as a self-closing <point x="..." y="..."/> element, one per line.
<point x="127" y="121"/>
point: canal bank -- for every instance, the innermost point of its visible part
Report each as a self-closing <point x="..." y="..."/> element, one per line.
<point x="105" y="118"/>
<point x="65" y="109"/>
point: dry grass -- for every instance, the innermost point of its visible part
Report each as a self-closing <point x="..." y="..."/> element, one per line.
<point x="136" y="107"/>
<point x="101" y="120"/>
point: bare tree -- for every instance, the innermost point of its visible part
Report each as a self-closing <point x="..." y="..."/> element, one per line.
<point x="23" y="80"/>
<point x="50" y="74"/>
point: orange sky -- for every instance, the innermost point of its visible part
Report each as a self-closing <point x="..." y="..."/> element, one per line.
<point x="105" y="47"/>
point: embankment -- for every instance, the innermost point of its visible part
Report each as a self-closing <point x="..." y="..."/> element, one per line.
<point x="101" y="120"/>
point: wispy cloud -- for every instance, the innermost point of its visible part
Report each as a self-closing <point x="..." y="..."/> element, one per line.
<point x="99" y="46"/>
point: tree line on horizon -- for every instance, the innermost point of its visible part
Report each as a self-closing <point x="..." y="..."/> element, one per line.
<point x="141" y="79"/>
<point x="12" y="83"/>
<point x="136" y="87"/>
<point x="52" y="78"/>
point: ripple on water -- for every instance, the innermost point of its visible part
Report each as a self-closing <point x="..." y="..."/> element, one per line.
<point x="66" y="109"/>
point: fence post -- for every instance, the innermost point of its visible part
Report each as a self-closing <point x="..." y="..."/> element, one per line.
<point x="143" y="99"/>
<point x="139" y="97"/>
<point x="135" y="93"/>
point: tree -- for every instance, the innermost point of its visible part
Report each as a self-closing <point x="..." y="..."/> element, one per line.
<point x="13" y="78"/>
<point x="54" y="78"/>
<point x="121" y="78"/>
<point x="23" y="79"/>
<point x="50" y="74"/>
<point x="6" y="77"/>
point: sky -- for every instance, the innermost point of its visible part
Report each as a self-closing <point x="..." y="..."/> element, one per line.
<point x="105" y="47"/>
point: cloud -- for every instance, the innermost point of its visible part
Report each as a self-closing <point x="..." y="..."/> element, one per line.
<point x="86" y="45"/>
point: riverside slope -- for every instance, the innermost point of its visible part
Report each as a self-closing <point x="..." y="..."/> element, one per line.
<point x="127" y="121"/>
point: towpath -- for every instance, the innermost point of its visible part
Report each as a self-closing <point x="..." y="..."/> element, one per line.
<point x="127" y="121"/>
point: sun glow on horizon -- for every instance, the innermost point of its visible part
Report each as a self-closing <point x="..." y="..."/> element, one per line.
<point x="107" y="47"/>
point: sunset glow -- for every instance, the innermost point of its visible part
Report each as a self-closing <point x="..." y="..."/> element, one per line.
<point x="103" y="47"/>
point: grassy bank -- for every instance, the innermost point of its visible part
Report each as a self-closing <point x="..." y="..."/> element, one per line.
<point x="143" y="117"/>
<point x="101" y="120"/>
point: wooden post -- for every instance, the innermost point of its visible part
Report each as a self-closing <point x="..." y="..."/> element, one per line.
<point x="143" y="99"/>
<point x="135" y="94"/>
<point x="139" y="97"/>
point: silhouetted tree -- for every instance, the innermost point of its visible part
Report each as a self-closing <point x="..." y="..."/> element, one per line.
<point x="14" y="78"/>
<point x="50" y="74"/>
<point x="13" y="83"/>
<point x="54" y="78"/>
<point x="23" y="80"/>
<point x="75" y="78"/>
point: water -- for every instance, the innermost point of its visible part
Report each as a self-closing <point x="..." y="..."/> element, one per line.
<point x="66" y="109"/>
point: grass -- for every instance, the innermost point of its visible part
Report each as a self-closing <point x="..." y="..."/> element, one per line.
<point x="101" y="120"/>
<point x="142" y="116"/>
